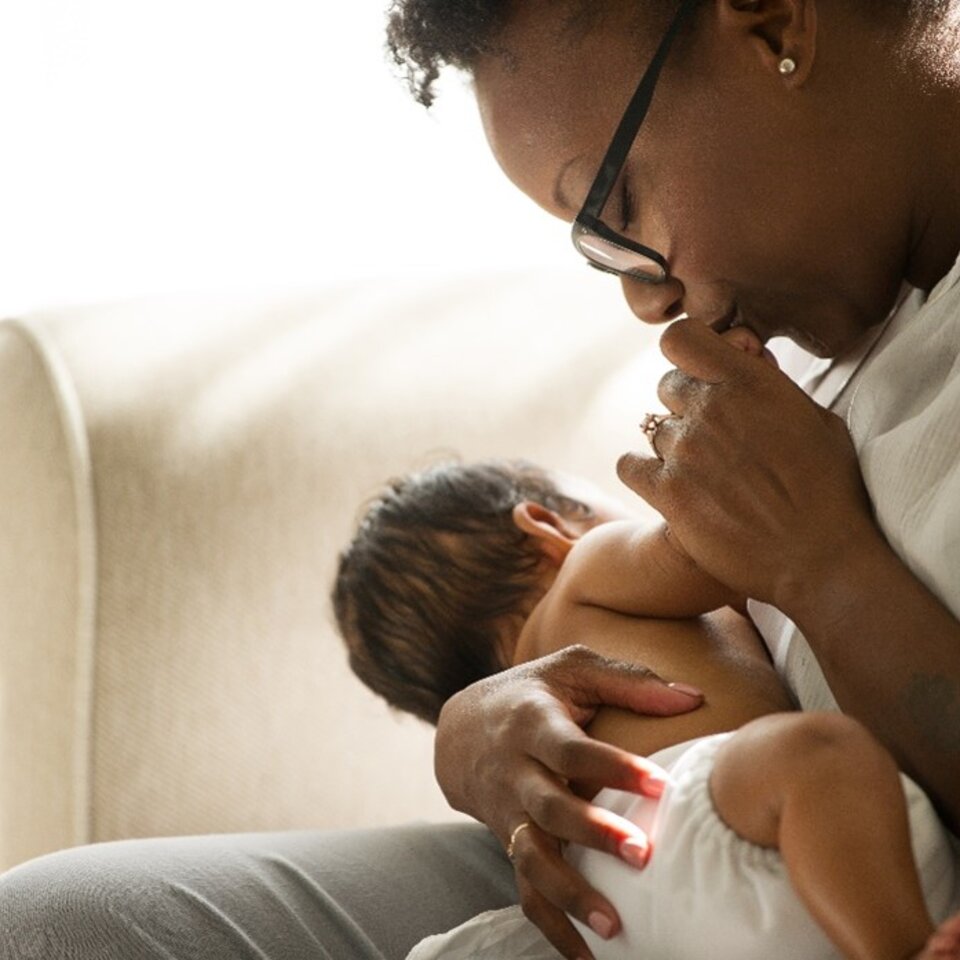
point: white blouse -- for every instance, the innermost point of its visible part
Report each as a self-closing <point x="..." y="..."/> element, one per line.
<point x="899" y="391"/>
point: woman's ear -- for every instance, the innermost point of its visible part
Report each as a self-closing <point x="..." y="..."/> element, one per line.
<point x="551" y="535"/>
<point x="782" y="32"/>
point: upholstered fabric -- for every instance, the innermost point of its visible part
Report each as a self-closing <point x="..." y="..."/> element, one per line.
<point x="177" y="479"/>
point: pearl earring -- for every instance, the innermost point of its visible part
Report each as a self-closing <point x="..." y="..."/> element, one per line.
<point x="787" y="66"/>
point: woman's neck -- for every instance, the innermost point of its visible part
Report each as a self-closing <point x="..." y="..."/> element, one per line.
<point x="931" y="74"/>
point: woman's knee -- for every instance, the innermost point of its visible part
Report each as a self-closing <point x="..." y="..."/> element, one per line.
<point x="59" y="906"/>
<point x="110" y="901"/>
<point x="296" y="896"/>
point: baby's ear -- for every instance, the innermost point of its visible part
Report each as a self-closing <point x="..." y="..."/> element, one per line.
<point x="553" y="537"/>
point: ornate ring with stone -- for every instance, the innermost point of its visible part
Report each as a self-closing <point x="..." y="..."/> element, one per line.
<point x="650" y="425"/>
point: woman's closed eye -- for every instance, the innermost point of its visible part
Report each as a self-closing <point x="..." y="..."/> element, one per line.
<point x="628" y="209"/>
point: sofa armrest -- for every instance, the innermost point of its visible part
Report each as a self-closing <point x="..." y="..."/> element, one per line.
<point x="47" y="573"/>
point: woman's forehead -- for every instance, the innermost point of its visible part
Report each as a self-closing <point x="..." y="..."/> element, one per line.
<point x="550" y="101"/>
<point x="539" y="56"/>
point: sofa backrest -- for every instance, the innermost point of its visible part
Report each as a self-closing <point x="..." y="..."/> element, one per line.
<point x="177" y="478"/>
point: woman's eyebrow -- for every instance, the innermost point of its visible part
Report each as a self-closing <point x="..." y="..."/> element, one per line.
<point x="559" y="194"/>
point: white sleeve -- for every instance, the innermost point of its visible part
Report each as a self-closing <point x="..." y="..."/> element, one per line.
<point x="905" y="423"/>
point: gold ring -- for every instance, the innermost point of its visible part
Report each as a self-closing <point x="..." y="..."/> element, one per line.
<point x="511" y="851"/>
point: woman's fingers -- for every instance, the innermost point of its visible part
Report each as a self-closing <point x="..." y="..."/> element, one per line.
<point x="554" y="925"/>
<point x="565" y="750"/>
<point x="556" y="811"/>
<point x="551" y="890"/>
<point x="642" y="474"/>
<point x="533" y="714"/>
<point x="759" y="485"/>
<point x="706" y="355"/>
<point x="583" y="680"/>
<point x="705" y="359"/>
<point x="678" y="390"/>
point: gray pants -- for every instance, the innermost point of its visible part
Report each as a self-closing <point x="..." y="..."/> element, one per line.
<point x="352" y="895"/>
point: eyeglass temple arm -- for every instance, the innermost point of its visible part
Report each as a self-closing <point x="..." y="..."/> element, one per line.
<point x="626" y="132"/>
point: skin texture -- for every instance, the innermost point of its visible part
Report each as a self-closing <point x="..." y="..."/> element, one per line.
<point x="769" y="783"/>
<point x="770" y="779"/>
<point x="735" y="170"/>
<point x="796" y="204"/>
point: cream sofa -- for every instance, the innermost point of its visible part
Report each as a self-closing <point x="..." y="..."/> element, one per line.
<point x="177" y="477"/>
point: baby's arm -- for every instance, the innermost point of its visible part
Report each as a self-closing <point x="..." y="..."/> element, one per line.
<point x="637" y="570"/>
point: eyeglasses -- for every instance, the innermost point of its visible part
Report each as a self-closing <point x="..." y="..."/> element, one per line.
<point x="604" y="248"/>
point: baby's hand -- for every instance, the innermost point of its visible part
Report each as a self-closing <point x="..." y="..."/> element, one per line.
<point x="743" y="338"/>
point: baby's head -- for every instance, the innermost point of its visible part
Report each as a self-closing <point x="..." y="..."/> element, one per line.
<point x="434" y="588"/>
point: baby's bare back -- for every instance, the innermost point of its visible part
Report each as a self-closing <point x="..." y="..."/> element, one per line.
<point x="721" y="653"/>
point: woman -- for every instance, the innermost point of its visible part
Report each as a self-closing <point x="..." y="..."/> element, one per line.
<point x="796" y="169"/>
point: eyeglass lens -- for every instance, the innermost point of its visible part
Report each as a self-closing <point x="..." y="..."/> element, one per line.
<point x="612" y="257"/>
<point x="605" y="253"/>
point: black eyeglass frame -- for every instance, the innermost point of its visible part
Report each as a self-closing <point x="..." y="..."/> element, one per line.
<point x="587" y="221"/>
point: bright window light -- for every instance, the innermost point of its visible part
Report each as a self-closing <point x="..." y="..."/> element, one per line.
<point x="225" y="144"/>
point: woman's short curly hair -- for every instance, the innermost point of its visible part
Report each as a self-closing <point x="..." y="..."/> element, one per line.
<point x="424" y="36"/>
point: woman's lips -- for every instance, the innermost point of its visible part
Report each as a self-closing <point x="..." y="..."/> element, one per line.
<point x="733" y="319"/>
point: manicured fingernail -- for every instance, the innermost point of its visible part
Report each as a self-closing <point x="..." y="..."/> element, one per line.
<point x="686" y="688"/>
<point x="653" y="786"/>
<point x="635" y="852"/>
<point x="601" y="924"/>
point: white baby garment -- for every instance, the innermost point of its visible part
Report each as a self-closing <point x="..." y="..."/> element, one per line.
<point x="704" y="885"/>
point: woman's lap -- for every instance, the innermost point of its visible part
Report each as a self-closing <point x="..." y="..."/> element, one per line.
<point x="363" y="895"/>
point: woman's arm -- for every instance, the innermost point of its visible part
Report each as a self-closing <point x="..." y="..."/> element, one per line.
<point x="762" y="488"/>
<point x="890" y="652"/>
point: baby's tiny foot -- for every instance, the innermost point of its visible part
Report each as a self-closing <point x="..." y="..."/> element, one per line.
<point x="944" y="942"/>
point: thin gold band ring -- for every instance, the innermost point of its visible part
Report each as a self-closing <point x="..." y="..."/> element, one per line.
<point x="511" y="846"/>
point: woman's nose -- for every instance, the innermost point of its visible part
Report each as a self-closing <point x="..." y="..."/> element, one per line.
<point x="654" y="302"/>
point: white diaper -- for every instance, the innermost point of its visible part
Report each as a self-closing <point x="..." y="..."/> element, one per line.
<point x="705" y="891"/>
<point x="739" y="894"/>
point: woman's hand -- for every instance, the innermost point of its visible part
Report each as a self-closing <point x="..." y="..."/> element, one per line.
<point x="507" y="748"/>
<point x="759" y="484"/>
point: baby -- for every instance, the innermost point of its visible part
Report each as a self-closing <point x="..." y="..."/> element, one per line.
<point x="777" y="834"/>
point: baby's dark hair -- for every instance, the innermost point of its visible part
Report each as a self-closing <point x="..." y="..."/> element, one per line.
<point x="438" y="575"/>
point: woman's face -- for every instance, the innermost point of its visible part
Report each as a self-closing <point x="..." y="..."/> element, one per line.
<point x="763" y="191"/>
